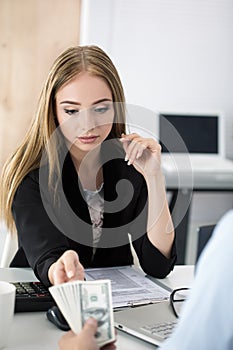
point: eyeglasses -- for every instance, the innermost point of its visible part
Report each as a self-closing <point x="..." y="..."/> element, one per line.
<point x="177" y="298"/>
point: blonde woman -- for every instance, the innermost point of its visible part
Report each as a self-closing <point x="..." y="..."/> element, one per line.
<point x="78" y="184"/>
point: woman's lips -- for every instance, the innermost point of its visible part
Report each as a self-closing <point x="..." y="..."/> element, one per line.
<point x="87" y="139"/>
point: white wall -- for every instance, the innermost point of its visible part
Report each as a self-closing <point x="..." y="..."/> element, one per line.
<point x="172" y="55"/>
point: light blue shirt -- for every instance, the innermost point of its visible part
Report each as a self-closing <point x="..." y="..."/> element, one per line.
<point x="207" y="319"/>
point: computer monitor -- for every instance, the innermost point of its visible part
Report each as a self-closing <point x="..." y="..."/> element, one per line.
<point x="199" y="133"/>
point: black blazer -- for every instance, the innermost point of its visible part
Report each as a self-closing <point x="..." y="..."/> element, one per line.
<point x="46" y="229"/>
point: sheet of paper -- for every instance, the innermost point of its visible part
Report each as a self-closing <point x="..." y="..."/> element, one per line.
<point x="130" y="286"/>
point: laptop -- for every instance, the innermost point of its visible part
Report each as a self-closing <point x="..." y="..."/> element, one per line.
<point x="193" y="142"/>
<point x="153" y="323"/>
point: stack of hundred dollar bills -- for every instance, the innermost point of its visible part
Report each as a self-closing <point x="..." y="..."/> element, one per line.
<point x="80" y="300"/>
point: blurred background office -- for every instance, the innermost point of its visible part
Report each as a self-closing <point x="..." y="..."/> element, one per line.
<point x="172" y="55"/>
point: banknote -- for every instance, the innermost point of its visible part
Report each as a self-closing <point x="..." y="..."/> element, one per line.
<point x="80" y="300"/>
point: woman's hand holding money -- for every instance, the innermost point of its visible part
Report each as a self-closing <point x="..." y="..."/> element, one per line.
<point x="66" y="269"/>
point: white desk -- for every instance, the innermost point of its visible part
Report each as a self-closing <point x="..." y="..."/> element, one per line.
<point x="32" y="331"/>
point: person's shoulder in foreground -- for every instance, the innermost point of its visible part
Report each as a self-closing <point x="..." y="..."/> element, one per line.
<point x="207" y="319"/>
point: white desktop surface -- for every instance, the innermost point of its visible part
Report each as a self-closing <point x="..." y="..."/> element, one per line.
<point x="181" y="276"/>
<point x="32" y="331"/>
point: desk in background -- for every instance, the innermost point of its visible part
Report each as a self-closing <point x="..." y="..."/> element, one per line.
<point x="32" y="331"/>
<point x="182" y="189"/>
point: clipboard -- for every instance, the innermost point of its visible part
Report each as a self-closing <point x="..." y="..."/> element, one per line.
<point x="131" y="287"/>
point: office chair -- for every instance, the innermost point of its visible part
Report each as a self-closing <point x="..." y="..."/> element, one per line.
<point x="204" y="234"/>
<point x="9" y="250"/>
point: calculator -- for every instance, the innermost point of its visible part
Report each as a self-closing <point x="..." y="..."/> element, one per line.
<point x="32" y="296"/>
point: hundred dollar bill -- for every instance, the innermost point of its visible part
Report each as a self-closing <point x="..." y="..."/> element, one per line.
<point x="80" y="300"/>
<point x="96" y="302"/>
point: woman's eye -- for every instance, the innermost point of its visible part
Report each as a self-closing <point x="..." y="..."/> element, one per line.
<point x="71" y="111"/>
<point x="101" y="110"/>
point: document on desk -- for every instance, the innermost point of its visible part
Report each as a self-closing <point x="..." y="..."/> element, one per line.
<point x="130" y="286"/>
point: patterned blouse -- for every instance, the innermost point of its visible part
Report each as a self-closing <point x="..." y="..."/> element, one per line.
<point x="95" y="202"/>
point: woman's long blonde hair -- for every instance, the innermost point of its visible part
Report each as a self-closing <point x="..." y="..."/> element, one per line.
<point x="28" y="156"/>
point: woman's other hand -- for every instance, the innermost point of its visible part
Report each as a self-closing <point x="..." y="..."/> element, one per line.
<point x="143" y="153"/>
<point x="67" y="268"/>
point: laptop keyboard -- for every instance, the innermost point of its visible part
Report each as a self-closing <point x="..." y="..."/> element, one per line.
<point x="162" y="330"/>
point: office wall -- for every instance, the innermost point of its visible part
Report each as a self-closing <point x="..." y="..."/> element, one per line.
<point x="175" y="56"/>
<point x="32" y="34"/>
